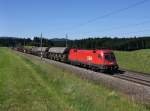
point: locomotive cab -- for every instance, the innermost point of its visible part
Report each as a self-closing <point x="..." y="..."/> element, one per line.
<point x="109" y="61"/>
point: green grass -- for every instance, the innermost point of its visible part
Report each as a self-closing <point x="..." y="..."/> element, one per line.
<point x="135" y="60"/>
<point x="31" y="85"/>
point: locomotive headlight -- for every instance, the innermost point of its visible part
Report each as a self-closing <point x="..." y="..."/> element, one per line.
<point x="104" y="62"/>
<point x="111" y="63"/>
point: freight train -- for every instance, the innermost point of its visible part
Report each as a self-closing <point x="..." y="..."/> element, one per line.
<point x="100" y="59"/>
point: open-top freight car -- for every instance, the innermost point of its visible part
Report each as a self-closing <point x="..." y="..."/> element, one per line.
<point x="58" y="53"/>
<point x="40" y="51"/>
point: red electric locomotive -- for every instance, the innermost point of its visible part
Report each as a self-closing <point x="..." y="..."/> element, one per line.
<point x="96" y="59"/>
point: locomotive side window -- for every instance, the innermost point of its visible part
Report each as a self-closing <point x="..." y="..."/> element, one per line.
<point x="99" y="56"/>
<point x="109" y="56"/>
<point x="75" y="50"/>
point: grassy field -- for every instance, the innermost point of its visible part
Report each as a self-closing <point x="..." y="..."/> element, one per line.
<point x="31" y="85"/>
<point x="135" y="60"/>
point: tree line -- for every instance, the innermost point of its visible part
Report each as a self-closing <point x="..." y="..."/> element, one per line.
<point x="126" y="44"/>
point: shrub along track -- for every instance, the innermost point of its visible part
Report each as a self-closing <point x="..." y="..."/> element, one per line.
<point x="135" y="90"/>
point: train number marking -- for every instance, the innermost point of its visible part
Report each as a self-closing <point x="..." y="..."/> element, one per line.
<point x="89" y="58"/>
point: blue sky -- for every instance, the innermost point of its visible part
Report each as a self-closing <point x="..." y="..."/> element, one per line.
<point x="55" y="18"/>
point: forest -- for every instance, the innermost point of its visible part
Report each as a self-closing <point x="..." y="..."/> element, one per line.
<point x="124" y="44"/>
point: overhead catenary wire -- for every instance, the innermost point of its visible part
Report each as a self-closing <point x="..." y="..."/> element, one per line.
<point x="139" y="31"/>
<point x="131" y="33"/>
<point x="121" y="27"/>
<point x="124" y="27"/>
<point x="129" y="25"/>
<point x="110" y="13"/>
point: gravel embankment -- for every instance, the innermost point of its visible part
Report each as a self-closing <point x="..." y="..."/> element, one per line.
<point x="133" y="90"/>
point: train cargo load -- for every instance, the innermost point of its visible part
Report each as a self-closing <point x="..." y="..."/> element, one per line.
<point x="58" y="53"/>
<point x="40" y="51"/>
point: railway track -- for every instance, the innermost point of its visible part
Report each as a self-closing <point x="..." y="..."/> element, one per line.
<point x="136" y="72"/>
<point x="136" y="77"/>
<point x="140" y="78"/>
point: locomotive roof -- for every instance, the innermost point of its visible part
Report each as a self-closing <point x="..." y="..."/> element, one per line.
<point x="97" y="50"/>
<point x="93" y="49"/>
<point x="58" y="50"/>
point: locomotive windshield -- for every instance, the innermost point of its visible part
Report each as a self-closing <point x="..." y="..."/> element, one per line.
<point x="110" y="56"/>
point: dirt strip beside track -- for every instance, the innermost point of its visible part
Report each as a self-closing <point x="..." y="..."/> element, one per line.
<point x="133" y="90"/>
